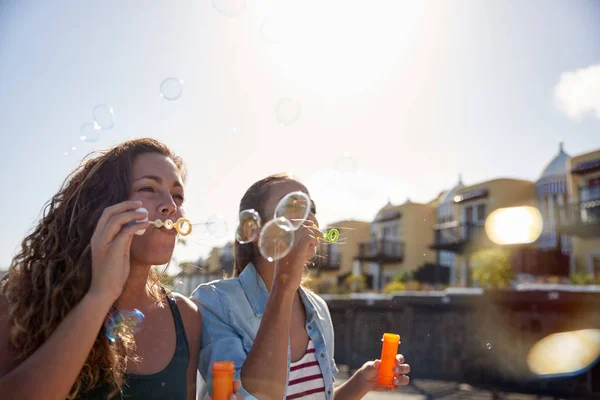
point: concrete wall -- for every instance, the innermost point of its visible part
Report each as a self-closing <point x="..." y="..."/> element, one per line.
<point x="447" y="337"/>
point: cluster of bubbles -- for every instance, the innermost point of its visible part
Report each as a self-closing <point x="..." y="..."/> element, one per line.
<point x="104" y="116"/>
<point x="91" y="132"/>
<point x="276" y="238"/>
<point x="120" y="320"/>
<point x="287" y="111"/>
<point x="104" y="119"/>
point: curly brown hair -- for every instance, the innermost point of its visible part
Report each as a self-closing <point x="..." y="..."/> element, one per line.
<point x="52" y="271"/>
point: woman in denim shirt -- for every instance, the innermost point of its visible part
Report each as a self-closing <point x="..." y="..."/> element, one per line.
<point x="265" y="321"/>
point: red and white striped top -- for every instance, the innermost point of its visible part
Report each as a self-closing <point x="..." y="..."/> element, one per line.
<point x="306" y="379"/>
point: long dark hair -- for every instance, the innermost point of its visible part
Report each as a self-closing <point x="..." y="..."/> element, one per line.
<point x="255" y="198"/>
<point x="53" y="270"/>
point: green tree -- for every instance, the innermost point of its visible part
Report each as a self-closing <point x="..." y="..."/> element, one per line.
<point x="393" y="286"/>
<point x="403" y="276"/>
<point x="581" y="278"/>
<point x="492" y="268"/>
<point x="356" y="283"/>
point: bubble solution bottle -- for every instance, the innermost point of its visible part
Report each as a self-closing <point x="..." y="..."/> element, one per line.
<point x="389" y="349"/>
<point x="222" y="372"/>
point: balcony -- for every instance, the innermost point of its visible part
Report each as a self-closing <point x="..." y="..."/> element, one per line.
<point x="539" y="262"/>
<point x="456" y="237"/>
<point x="589" y="193"/>
<point x="382" y="251"/>
<point x="583" y="219"/>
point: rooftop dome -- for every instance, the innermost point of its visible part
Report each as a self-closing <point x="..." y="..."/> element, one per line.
<point x="556" y="168"/>
<point x="448" y="197"/>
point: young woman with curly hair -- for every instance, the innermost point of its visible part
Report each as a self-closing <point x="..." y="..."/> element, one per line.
<point x="84" y="261"/>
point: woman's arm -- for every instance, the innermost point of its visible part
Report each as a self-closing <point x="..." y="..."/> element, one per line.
<point x="264" y="373"/>
<point x="265" y="370"/>
<point x="50" y="372"/>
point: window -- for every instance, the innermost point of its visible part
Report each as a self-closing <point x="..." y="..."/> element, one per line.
<point x="481" y="212"/>
<point x="596" y="266"/>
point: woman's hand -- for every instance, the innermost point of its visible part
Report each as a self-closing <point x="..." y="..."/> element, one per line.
<point x="111" y="244"/>
<point x="290" y="268"/>
<point x="369" y="373"/>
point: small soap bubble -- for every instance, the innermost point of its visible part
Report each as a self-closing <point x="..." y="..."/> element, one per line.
<point x="66" y="153"/>
<point x="90" y="132"/>
<point x="488" y="346"/>
<point x="230" y="8"/>
<point x="119" y="320"/>
<point x="104" y="116"/>
<point x="276" y="239"/>
<point x="295" y="208"/>
<point x="287" y="111"/>
<point x="216" y="226"/>
<point x="171" y="88"/>
<point x="248" y="227"/>
<point x="73" y="148"/>
<point x="346" y="163"/>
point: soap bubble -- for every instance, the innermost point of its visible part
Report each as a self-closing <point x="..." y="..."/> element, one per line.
<point x="216" y="226"/>
<point x="294" y="208"/>
<point x="90" y="132"/>
<point x="119" y="320"/>
<point x="287" y="111"/>
<point x="171" y="88"/>
<point x="276" y="239"/>
<point x="104" y="116"/>
<point x="248" y="227"/>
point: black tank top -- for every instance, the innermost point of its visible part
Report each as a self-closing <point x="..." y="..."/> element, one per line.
<point x="170" y="383"/>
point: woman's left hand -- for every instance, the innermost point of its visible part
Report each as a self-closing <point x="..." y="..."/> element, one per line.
<point x="236" y="388"/>
<point x="370" y="371"/>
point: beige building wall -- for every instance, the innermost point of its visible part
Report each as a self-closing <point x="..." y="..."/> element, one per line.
<point x="501" y="193"/>
<point x="418" y="234"/>
<point x="352" y="233"/>
<point x="585" y="251"/>
<point x="414" y="229"/>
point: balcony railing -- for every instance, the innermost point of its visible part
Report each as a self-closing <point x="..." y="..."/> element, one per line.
<point x="382" y="250"/>
<point x="583" y="219"/>
<point x="540" y="262"/>
<point x="589" y="193"/>
<point x="454" y="236"/>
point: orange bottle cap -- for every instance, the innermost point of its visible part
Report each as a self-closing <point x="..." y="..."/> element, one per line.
<point x="391" y="338"/>
<point x="223" y="366"/>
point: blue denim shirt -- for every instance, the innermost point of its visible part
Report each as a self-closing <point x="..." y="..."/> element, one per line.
<point x="231" y="313"/>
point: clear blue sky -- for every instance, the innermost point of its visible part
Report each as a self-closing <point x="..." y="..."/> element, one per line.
<point x="417" y="92"/>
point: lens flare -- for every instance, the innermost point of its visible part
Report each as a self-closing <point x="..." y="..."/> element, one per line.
<point x="514" y="225"/>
